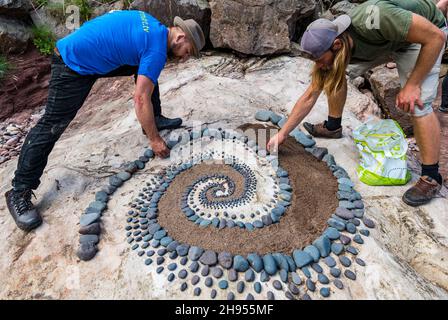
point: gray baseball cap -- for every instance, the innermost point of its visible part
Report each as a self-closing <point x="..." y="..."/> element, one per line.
<point x="320" y="35"/>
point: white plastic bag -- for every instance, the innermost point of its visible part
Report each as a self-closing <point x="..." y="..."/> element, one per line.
<point x="382" y="147"/>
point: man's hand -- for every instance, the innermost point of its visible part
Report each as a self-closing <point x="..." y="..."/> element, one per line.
<point x="409" y="97"/>
<point x="275" y="142"/>
<point x="159" y="147"/>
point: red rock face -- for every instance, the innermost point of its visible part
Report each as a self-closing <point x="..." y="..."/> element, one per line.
<point x="25" y="87"/>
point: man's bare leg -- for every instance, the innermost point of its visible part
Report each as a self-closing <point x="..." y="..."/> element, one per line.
<point x="427" y="134"/>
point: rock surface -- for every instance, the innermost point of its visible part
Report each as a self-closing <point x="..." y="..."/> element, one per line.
<point x="405" y="254"/>
<point x="258" y="27"/>
<point x="14" y="36"/>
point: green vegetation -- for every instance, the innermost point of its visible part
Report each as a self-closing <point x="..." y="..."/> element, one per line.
<point x="85" y="11"/>
<point x="4" y="67"/>
<point x="43" y="39"/>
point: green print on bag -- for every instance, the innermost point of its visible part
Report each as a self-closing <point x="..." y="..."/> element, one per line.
<point x="382" y="147"/>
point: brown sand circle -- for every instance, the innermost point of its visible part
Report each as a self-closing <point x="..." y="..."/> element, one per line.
<point x="313" y="202"/>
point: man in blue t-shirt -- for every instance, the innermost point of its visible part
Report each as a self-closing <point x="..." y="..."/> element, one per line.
<point x="115" y="44"/>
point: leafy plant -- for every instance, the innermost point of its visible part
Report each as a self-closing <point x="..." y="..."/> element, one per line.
<point x="85" y="11"/>
<point x="4" y="67"/>
<point x="43" y="39"/>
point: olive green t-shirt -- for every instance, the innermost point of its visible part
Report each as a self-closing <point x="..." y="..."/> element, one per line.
<point x="380" y="27"/>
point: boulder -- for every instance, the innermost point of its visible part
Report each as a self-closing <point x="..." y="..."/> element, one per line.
<point x="166" y="10"/>
<point x="258" y="27"/>
<point x="15" y="8"/>
<point x="342" y="7"/>
<point x="45" y="16"/>
<point x="14" y="36"/>
<point x="385" y="85"/>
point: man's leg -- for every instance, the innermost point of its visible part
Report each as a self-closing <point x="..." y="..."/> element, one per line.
<point x="444" y="106"/>
<point x="426" y="128"/>
<point x="67" y="92"/>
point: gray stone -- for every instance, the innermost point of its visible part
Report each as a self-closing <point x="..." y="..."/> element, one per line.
<point x="368" y="223"/>
<point x="263" y="115"/>
<point x="87" y="251"/>
<point x="240" y="264"/>
<point x="269" y="264"/>
<point x="89" y="238"/>
<point x="217" y="272"/>
<point x="337" y="248"/>
<point x="195" y="253"/>
<point x="101" y="196"/>
<point x="301" y="258"/>
<point x="14" y="36"/>
<point x="87" y="219"/>
<point x="250" y="275"/>
<point x="323" y="244"/>
<point x="338" y="284"/>
<point x="233" y="275"/>
<point x="255" y="262"/>
<point x="209" y="258"/>
<point x="350" y="274"/>
<point x="277" y="285"/>
<point x="313" y="252"/>
<point x="93" y="228"/>
<point x="344" y="213"/>
<point x="225" y="259"/>
<point x="115" y="181"/>
<point x="182" y="249"/>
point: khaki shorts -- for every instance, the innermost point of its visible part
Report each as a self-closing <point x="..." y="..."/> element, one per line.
<point x="406" y="59"/>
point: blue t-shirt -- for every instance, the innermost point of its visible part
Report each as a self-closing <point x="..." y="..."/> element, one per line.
<point x="115" y="39"/>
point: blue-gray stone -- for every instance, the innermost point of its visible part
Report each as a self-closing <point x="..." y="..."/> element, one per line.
<point x="165" y="241"/>
<point x="258" y="224"/>
<point x="225" y="259"/>
<point x="124" y="175"/>
<point x="344" y="239"/>
<point x="270" y="295"/>
<point x="310" y="285"/>
<point x="336" y="224"/>
<point x="223" y="284"/>
<point x="284" y="275"/>
<point x="335" y="272"/>
<point x="350" y="274"/>
<point x="172" y="246"/>
<point x="194" y="266"/>
<point x="338" y="284"/>
<point x="215" y="222"/>
<point x="148" y="261"/>
<point x="346" y="262"/>
<point x="346" y="181"/>
<point x="359" y="213"/>
<point x="249" y="276"/>
<point x="182" y="249"/>
<point x="368" y="223"/>
<point x="291" y="263"/>
<point x="197" y="291"/>
<point x="267" y="220"/>
<point x="325" y="292"/>
<point x="337" y="248"/>
<point x="350" y="227"/>
<point x="263" y="115"/>
<point x="240" y="264"/>
<point x="205" y="223"/>
<point x="115" y="181"/>
<point x="323" y="244"/>
<point x="275" y="118"/>
<point x="329" y="261"/>
<point x="277" y="285"/>
<point x="280" y="260"/>
<point x="160" y="260"/>
<point x="97" y="206"/>
<point x="264" y="276"/>
<point x="213" y="294"/>
<point x="351" y="250"/>
<point x="360" y="262"/>
<point x="209" y="258"/>
<point x="172" y="266"/>
<point x="232" y="275"/>
<point x="255" y="261"/>
<point x="149" y="153"/>
<point x="344" y="213"/>
<point x="358" y="239"/>
<point x="195" y="253"/>
<point x="257" y="287"/>
<point x="101" y="196"/>
<point x="249" y="226"/>
<point x="182" y="274"/>
<point x="217" y="272"/>
<point x="301" y="258"/>
<point x="160" y="234"/>
<point x="304" y="140"/>
<point x="332" y="233"/>
<point x="316" y="267"/>
<point x="269" y="264"/>
<point x="86" y="238"/>
<point x="240" y="287"/>
<point x="87" y="219"/>
<point x="323" y="278"/>
<point x="313" y="252"/>
<point x="230" y="296"/>
<point x="346" y="204"/>
<point x="296" y="278"/>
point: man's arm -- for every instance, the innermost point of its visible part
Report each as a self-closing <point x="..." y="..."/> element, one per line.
<point x="145" y="115"/>
<point x="432" y="40"/>
<point x="301" y="109"/>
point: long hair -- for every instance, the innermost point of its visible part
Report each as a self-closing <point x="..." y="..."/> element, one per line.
<point x="330" y="81"/>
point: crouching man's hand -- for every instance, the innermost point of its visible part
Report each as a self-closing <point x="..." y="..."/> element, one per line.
<point x="159" y="147"/>
<point x="275" y="142"/>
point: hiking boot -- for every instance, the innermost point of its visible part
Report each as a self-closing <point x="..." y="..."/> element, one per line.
<point x="320" y="130"/>
<point x="22" y="210"/>
<point x="422" y="192"/>
<point x="443" y="109"/>
<point x="166" y="123"/>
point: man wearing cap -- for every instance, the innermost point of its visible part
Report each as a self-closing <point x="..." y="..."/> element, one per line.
<point x="116" y="44"/>
<point x="413" y="33"/>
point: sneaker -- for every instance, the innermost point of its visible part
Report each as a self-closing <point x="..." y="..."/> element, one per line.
<point x="320" y="131"/>
<point x="22" y="210"/>
<point x="422" y="192"/>
<point x="443" y="109"/>
<point x="163" y="123"/>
